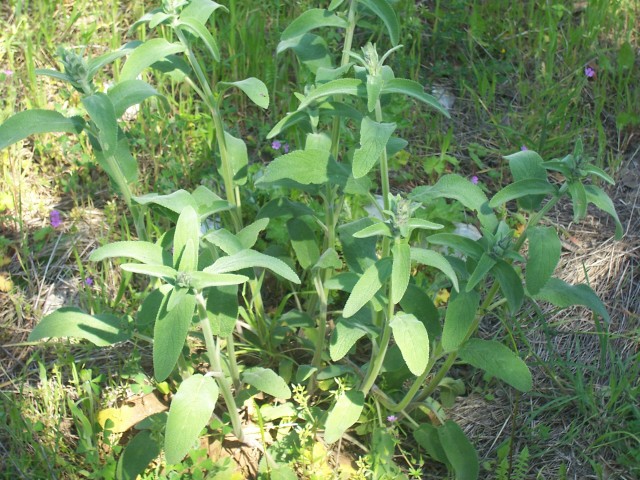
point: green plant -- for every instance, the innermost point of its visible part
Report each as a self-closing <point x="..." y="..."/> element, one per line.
<point x="361" y="287"/>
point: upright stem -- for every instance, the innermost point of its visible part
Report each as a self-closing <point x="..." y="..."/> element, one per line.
<point x="213" y="351"/>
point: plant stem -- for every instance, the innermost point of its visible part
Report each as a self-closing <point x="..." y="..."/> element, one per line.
<point x="213" y="351"/>
<point x="322" y="328"/>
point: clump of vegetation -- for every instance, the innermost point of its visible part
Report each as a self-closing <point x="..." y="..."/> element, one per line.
<point x="336" y="274"/>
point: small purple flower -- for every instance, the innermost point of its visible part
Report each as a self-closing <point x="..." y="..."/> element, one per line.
<point x="285" y="148"/>
<point x="276" y="144"/>
<point x="7" y="72"/>
<point x="524" y="148"/>
<point x="474" y="180"/>
<point x="54" y="216"/>
<point x="88" y="281"/>
<point x="392" y="418"/>
<point x="589" y="72"/>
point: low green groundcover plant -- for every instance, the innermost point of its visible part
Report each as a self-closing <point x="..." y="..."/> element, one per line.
<point x="351" y="289"/>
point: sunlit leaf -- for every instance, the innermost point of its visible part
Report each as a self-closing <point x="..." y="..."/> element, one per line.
<point x="27" y="123"/>
<point x="413" y="340"/>
<point x="267" y="381"/>
<point x="343" y="415"/>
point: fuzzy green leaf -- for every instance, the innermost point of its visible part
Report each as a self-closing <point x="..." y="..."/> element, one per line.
<point x="523" y="165"/>
<point x="459" y="188"/>
<point x="435" y="260"/>
<point x="27" y="123"/>
<point x="222" y="309"/>
<point x="579" y="198"/>
<point x="367" y="286"/>
<point x="510" y="284"/>
<point x="255" y="89"/>
<point x="101" y="330"/>
<point x="459" y="451"/>
<point x="239" y="159"/>
<point x="600" y="199"/>
<point x="342" y="86"/>
<point x="194" y="26"/>
<point x="145" y="252"/>
<point x="345" y="336"/>
<point x="304" y="242"/>
<point x="497" y="360"/>
<point x="485" y="264"/>
<point x="128" y="93"/>
<point x="302" y="166"/>
<point x="185" y="257"/>
<point x="562" y="294"/>
<point x="170" y="333"/>
<point x="413" y="340"/>
<point x="201" y="10"/>
<point x="190" y="411"/>
<point x="458" y="243"/>
<point x="250" y="259"/>
<point x="343" y="415"/>
<point x="414" y="90"/>
<point x="248" y="236"/>
<point x="137" y="456"/>
<point x="459" y="317"/>
<point x="159" y="271"/>
<point x="543" y="256"/>
<point x="146" y="55"/>
<point x="385" y="12"/>
<point x="373" y="140"/>
<point x="400" y="271"/>
<point x="310" y="20"/>
<point x="267" y="381"/>
<point x="520" y="189"/>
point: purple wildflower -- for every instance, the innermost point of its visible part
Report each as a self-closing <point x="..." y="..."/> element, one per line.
<point x="276" y="144"/>
<point x="589" y="72"/>
<point x="474" y="180"/>
<point x="88" y="281"/>
<point x="524" y="148"/>
<point x="54" y="216"/>
<point x="392" y="418"/>
<point x="7" y="72"/>
<point x="285" y="148"/>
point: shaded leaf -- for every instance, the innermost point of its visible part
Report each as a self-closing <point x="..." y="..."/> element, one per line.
<point x="367" y="286"/>
<point x="373" y="140"/>
<point x="459" y="451"/>
<point x="385" y="12"/>
<point x="562" y="294"/>
<point x="343" y="415"/>
<point x="459" y="317"/>
<point x="146" y="55"/>
<point x="543" y="257"/>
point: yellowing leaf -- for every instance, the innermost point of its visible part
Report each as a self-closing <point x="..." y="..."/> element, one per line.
<point x="5" y="283"/>
<point x="442" y="298"/>
<point x="131" y="413"/>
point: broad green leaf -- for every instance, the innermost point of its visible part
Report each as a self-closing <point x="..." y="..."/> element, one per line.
<point x="190" y="411"/>
<point x="497" y="360"/>
<point x="335" y="4"/>
<point x="159" y="18"/>
<point x="160" y="271"/>
<point x="53" y="74"/>
<point x="415" y="90"/>
<point x="146" y="55"/>
<point x="358" y="253"/>
<point x="598" y="172"/>
<point x="201" y="10"/>
<point x="267" y="381"/>
<point x="368" y="285"/>
<point x="400" y="271"/>
<point x="465" y="245"/>
<point x="485" y="264"/>
<point x="203" y="200"/>
<point x="459" y="451"/>
<point x="101" y="330"/>
<point x="520" y="189"/>
<point x="95" y="64"/>
<point x="137" y="456"/>
<point x="435" y="260"/>
<point x="579" y="200"/>
<point x="283" y="207"/>
<point x="187" y="233"/>
<point x="27" y="123"/>
<point x="310" y="20"/>
<point x="145" y="252"/>
<point x="378" y="228"/>
<point x="252" y="259"/>
<point x="385" y="12"/>
<point x="523" y="165"/>
<point x="374" y="87"/>
<point x="304" y="242"/>
<point x="302" y="166"/>
<point x="418" y="303"/>
<point x="373" y="140"/>
<point x="459" y="188"/>
<point x="543" y="257"/>
<point x="347" y="332"/>
<point x="130" y="92"/>
<point x="342" y="86"/>
<point x="119" y="164"/>
<point x="202" y="280"/>
<point x="237" y="150"/>
<point x="562" y="294"/>
<point x="248" y="236"/>
<point x="510" y="284"/>
<point x="311" y="50"/>
<point x="225" y="241"/>
<point x="427" y="437"/>
<point x="152" y="305"/>
<point x="290" y="119"/>
<point x="255" y="89"/>
<point x="324" y="75"/>
<point x="421" y="224"/>
<point x="343" y="415"/>
<point x="329" y="259"/>
<point x="600" y="199"/>
<point x="413" y="340"/>
<point x="170" y="333"/>
<point x="194" y="26"/>
<point x="459" y="317"/>
<point x="222" y="309"/>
